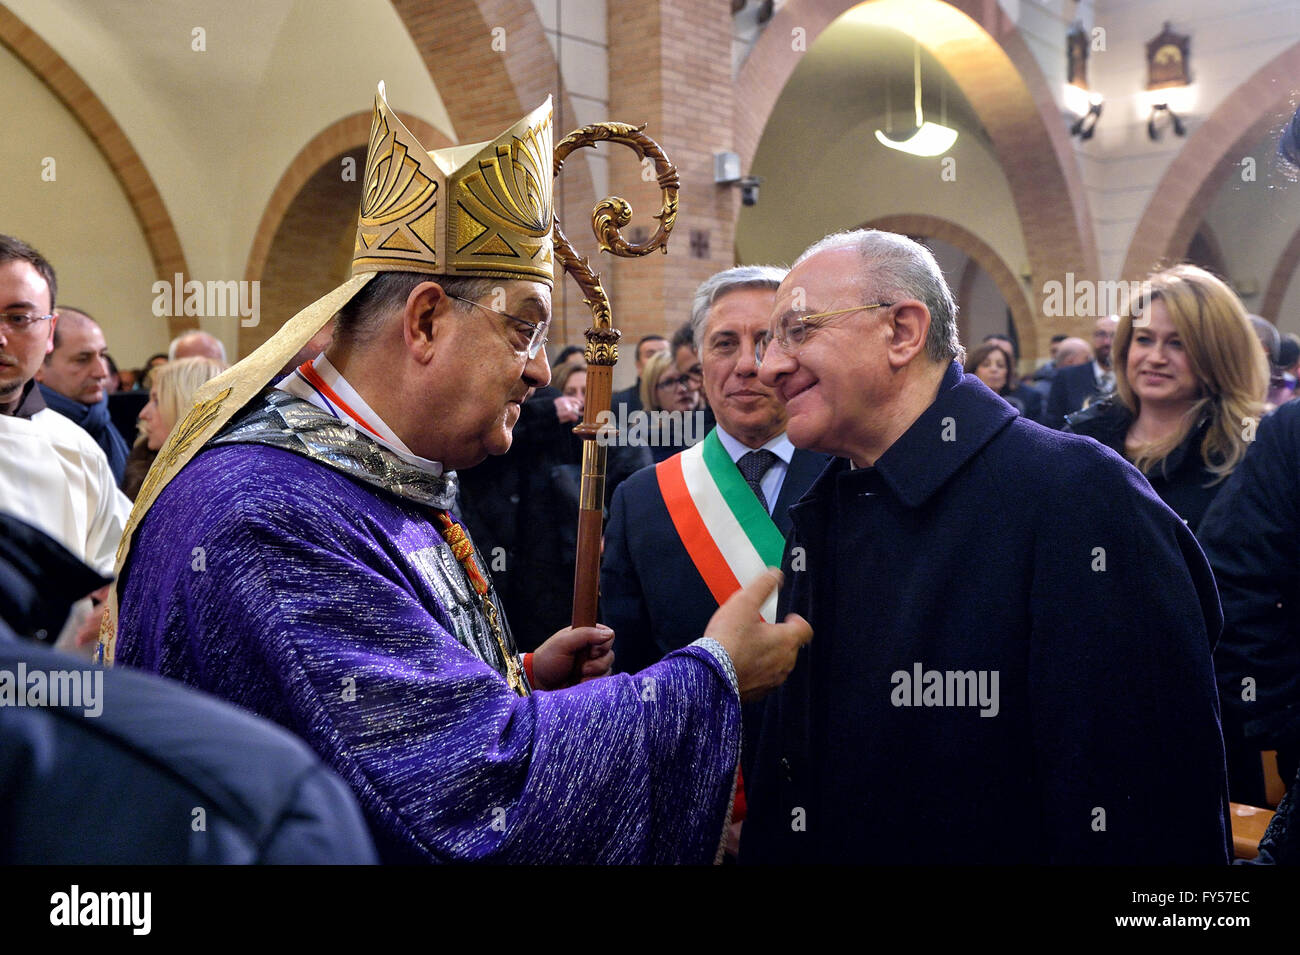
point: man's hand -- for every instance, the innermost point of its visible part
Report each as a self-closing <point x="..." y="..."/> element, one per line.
<point x="589" y="649"/>
<point x="762" y="653"/>
<point x="567" y="408"/>
<point x="88" y="632"/>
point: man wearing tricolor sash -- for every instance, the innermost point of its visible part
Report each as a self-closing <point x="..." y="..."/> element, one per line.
<point x="293" y="550"/>
<point x="684" y="535"/>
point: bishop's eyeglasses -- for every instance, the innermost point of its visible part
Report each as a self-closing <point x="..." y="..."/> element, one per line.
<point x="793" y="328"/>
<point x="538" y="332"/>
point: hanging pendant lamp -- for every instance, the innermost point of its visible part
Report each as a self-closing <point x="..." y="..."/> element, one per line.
<point x="926" y="138"/>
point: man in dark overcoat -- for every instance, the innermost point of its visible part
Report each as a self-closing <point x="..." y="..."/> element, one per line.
<point x="1014" y="633"/>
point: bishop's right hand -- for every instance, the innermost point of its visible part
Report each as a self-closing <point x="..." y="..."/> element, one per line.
<point x="762" y="653"/>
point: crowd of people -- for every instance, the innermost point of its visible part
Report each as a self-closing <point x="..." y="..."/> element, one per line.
<point x="1050" y="617"/>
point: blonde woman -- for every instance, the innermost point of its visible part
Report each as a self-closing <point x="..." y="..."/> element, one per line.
<point x="1190" y="382"/>
<point x="664" y="390"/>
<point x="170" y="395"/>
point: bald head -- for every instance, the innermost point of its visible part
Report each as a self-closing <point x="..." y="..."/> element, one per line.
<point x="1073" y="351"/>
<point x="196" y="344"/>
<point x="71" y="320"/>
<point x="77" y="366"/>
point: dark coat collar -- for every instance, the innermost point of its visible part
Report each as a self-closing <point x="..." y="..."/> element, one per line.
<point x="31" y="401"/>
<point x="921" y="461"/>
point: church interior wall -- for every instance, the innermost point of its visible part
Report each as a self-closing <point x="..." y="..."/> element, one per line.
<point x="60" y="194"/>
<point x="216" y="129"/>
<point x="217" y="126"/>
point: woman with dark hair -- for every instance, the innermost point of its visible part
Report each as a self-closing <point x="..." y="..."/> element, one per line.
<point x="992" y="364"/>
<point x="1190" y="382"/>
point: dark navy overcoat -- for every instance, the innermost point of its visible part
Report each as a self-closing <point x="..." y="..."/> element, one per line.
<point x="1010" y="660"/>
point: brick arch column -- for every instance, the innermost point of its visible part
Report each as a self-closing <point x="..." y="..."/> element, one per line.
<point x="983" y="254"/>
<point x="990" y="61"/>
<point x="1271" y="305"/>
<point x="142" y="194"/>
<point x="486" y="91"/>
<point x="1209" y="156"/>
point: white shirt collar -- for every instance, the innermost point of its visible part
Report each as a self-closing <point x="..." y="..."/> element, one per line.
<point x="298" y="386"/>
<point x="780" y="446"/>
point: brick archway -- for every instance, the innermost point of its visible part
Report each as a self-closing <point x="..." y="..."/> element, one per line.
<point x="1209" y="156"/>
<point x="981" y="253"/>
<point x="80" y="101"/>
<point x="290" y="219"/>
<point x="335" y="139"/>
<point x="1275" y="295"/>
<point x="984" y="53"/>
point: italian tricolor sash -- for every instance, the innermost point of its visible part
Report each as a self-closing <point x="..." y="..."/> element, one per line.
<point x="728" y="534"/>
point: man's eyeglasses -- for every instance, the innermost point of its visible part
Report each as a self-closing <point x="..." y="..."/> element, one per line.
<point x="793" y="329"/>
<point x="22" y="321"/>
<point x="687" y="380"/>
<point x="538" y="339"/>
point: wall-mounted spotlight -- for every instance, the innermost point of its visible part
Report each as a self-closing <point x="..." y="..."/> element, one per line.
<point x="1153" y="130"/>
<point x="1086" y="124"/>
<point x="726" y="172"/>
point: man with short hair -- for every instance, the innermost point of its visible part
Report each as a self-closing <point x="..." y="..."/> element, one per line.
<point x="1055" y="345"/>
<point x="1072" y="389"/>
<point x="74" y="382"/>
<point x="1014" y="632"/>
<point x="298" y="554"/>
<point x="646" y="348"/>
<point x="661" y="576"/>
<point x="54" y="476"/>
<point x="197" y="344"/>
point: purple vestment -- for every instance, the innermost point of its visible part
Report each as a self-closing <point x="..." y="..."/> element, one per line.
<point x="305" y="595"/>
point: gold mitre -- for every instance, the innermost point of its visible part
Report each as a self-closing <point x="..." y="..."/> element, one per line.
<point x="481" y="209"/>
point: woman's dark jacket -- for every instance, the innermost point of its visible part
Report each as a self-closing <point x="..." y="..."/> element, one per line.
<point x="1181" y="479"/>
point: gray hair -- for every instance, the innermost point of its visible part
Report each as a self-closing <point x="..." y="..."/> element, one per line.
<point x="732" y="280"/>
<point x="895" y="268"/>
<point x="360" y="319"/>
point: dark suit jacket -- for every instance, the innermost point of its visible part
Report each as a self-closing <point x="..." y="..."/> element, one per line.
<point x="651" y="593"/>
<point x="1071" y="387"/>
<point x="628" y="396"/>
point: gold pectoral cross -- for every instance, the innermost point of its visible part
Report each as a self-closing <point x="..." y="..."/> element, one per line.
<point x="514" y="672"/>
